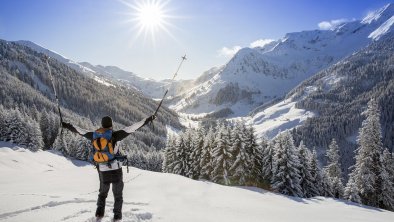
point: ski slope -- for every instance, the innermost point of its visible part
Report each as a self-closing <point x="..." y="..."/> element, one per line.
<point x="45" y="186"/>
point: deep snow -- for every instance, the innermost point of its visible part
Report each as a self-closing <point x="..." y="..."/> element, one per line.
<point x="45" y="186"/>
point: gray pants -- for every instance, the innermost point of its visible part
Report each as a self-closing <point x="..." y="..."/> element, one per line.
<point x="116" y="178"/>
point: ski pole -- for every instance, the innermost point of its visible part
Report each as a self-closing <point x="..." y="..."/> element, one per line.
<point x="56" y="97"/>
<point x="175" y="74"/>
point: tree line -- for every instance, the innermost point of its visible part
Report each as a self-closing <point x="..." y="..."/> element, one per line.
<point x="230" y="154"/>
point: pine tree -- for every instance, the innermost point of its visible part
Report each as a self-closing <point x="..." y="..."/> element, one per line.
<point x="316" y="175"/>
<point x="307" y="181"/>
<point x="267" y="153"/>
<point x="367" y="168"/>
<point x="188" y="146"/>
<point x="286" y="175"/>
<point x="61" y="143"/>
<point x="352" y="192"/>
<point x="386" y="195"/>
<point x="181" y="160"/>
<point x="255" y="154"/>
<point x="221" y="157"/>
<point x="15" y="132"/>
<point x="197" y="146"/>
<point x="169" y="155"/>
<point x="240" y="168"/>
<point x="34" y="139"/>
<point x="206" y="159"/>
<point x="326" y="184"/>
<point x="45" y="130"/>
<point x="333" y="170"/>
<point x="3" y="122"/>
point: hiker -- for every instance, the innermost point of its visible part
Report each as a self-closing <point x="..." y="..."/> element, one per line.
<point x="104" y="156"/>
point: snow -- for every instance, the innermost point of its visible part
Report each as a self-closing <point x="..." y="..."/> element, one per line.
<point x="45" y="186"/>
<point x="56" y="56"/>
<point x="279" y="117"/>
<point x="272" y="70"/>
<point x="378" y="14"/>
<point x="383" y="29"/>
<point x="103" y="81"/>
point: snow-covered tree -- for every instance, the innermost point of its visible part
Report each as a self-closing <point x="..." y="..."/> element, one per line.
<point x="286" y="175"/>
<point x="3" y="123"/>
<point x="240" y="169"/>
<point x="196" y="151"/>
<point x="181" y="165"/>
<point x="267" y="153"/>
<point x="188" y="146"/>
<point x="221" y="156"/>
<point x="351" y="190"/>
<point x="307" y="181"/>
<point x="45" y="127"/>
<point x="386" y="194"/>
<point x="206" y="159"/>
<point x="326" y="184"/>
<point x="255" y="154"/>
<point x="316" y="175"/>
<point x="367" y="168"/>
<point x="34" y="139"/>
<point x="169" y="155"/>
<point x="333" y="170"/>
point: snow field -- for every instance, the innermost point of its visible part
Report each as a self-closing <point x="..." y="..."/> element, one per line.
<point x="45" y="186"/>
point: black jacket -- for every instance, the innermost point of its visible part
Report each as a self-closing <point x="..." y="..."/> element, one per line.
<point x="116" y="135"/>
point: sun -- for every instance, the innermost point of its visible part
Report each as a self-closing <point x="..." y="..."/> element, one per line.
<point x="150" y="15"/>
<point x="149" y="18"/>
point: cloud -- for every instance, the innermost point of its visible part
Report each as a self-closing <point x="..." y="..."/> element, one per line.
<point x="229" y="52"/>
<point x="329" y="25"/>
<point x="260" y="43"/>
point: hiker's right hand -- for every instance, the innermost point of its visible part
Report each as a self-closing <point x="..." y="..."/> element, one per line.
<point x="151" y="118"/>
<point x="66" y="125"/>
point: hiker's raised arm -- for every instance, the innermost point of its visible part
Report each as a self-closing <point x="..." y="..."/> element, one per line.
<point x="136" y="126"/>
<point x="121" y="134"/>
<point x="88" y="135"/>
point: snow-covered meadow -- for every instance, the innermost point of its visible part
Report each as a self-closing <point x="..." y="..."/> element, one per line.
<point x="45" y="186"/>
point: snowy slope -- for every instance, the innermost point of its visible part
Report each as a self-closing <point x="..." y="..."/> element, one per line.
<point x="278" y="118"/>
<point x="255" y="76"/>
<point x="44" y="186"/>
<point x="56" y="56"/>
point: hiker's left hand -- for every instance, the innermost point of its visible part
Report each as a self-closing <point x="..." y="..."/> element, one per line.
<point x="151" y="118"/>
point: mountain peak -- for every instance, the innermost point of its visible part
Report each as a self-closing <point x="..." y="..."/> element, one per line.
<point x="381" y="14"/>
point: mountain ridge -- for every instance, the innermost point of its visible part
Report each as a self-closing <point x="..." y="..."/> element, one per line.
<point x="268" y="73"/>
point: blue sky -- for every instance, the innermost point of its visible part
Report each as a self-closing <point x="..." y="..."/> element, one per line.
<point x="101" y="31"/>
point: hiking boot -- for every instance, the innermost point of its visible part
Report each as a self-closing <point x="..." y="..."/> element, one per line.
<point x="100" y="212"/>
<point x="117" y="217"/>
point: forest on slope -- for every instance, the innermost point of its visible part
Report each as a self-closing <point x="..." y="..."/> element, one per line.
<point x="340" y="94"/>
<point x="26" y="92"/>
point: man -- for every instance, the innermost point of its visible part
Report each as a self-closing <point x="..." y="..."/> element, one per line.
<point x="110" y="171"/>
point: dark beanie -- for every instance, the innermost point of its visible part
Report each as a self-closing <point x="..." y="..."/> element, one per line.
<point x="106" y="122"/>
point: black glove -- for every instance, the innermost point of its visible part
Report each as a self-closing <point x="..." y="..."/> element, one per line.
<point x="66" y="125"/>
<point x="150" y="119"/>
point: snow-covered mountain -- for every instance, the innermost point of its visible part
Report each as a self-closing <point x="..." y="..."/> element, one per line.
<point x="255" y="76"/>
<point x="112" y="75"/>
<point x="45" y="186"/>
<point x="57" y="56"/>
<point x="330" y="104"/>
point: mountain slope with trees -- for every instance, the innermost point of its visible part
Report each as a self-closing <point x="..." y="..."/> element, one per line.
<point x="340" y="94"/>
<point x="27" y="94"/>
